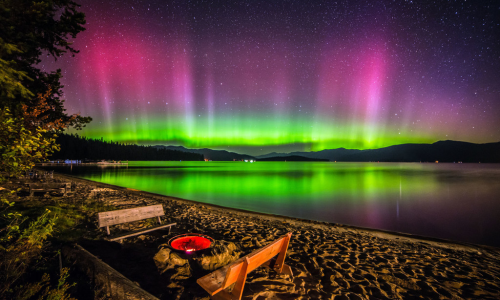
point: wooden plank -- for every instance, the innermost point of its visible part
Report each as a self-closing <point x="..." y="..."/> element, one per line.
<point x="234" y="272"/>
<point x="262" y="255"/>
<point x="212" y="283"/>
<point x="129" y="215"/>
<point x="50" y="185"/>
<point x="140" y="232"/>
<point x="47" y="187"/>
<point x="62" y="190"/>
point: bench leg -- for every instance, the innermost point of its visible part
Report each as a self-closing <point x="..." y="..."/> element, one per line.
<point x="280" y="260"/>
<point x="237" y="291"/>
<point x="287" y="271"/>
<point x="286" y="268"/>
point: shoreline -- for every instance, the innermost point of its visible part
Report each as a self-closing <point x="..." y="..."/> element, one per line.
<point x="329" y="261"/>
<point x="378" y="232"/>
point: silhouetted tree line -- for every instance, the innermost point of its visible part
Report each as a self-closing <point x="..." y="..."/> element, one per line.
<point x="82" y="148"/>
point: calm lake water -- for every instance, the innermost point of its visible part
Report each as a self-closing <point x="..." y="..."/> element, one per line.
<point x="452" y="201"/>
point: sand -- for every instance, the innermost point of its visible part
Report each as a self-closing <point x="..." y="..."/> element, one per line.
<point x="329" y="261"/>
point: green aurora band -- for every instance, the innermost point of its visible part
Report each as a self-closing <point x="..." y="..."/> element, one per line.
<point x="255" y="132"/>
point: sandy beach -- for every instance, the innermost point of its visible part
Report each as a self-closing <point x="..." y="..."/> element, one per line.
<point x="329" y="261"/>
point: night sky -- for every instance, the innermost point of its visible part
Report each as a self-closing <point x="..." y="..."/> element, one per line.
<point x="261" y="76"/>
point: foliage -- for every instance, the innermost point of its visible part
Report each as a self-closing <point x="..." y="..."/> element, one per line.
<point x="75" y="147"/>
<point x="28" y="122"/>
<point x="30" y="29"/>
<point x="31" y="114"/>
<point x="10" y="218"/>
<point x="58" y="293"/>
<point x="20" y="248"/>
<point x="47" y="292"/>
<point x="10" y="78"/>
<point x="21" y="148"/>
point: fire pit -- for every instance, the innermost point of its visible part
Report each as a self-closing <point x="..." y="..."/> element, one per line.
<point x="197" y="251"/>
<point x="190" y="242"/>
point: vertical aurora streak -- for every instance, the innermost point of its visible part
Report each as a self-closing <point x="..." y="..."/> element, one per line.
<point x="306" y="76"/>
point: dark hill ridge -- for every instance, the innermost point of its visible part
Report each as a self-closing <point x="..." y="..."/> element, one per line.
<point x="215" y="155"/>
<point x="291" y="158"/>
<point x="442" y="151"/>
<point x="330" y="154"/>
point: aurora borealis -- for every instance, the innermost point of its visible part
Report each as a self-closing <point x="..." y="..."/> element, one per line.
<point x="261" y="76"/>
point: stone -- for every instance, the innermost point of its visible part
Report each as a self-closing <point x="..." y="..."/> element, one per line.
<point x="221" y="254"/>
<point x="176" y="260"/>
<point x="161" y="258"/>
<point x="181" y="273"/>
<point x="166" y="259"/>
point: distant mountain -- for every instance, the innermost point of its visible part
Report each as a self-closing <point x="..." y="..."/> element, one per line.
<point x="331" y="154"/>
<point x="443" y="151"/>
<point x="215" y="155"/>
<point x="291" y="158"/>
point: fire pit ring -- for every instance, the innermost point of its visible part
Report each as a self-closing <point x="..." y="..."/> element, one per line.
<point x="190" y="242"/>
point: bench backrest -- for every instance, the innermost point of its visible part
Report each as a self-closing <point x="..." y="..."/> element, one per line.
<point x="50" y="185"/>
<point x="256" y="259"/>
<point x="129" y="215"/>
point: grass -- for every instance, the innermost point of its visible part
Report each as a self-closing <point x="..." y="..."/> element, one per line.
<point x="29" y="259"/>
<point x="74" y="219"/>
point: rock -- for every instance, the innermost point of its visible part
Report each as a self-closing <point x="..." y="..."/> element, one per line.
<point x="176" y="260"/>
<point x="182" y="273"/>
<point x="221" y="254"/>
<point x="166" y="259"/>
<point x="161" y="258"/>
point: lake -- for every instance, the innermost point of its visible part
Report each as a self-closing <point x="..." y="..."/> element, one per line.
<point x="458" y="202"/>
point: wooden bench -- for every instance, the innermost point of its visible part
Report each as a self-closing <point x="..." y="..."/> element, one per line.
<point x="102" y="192"/>
<point x="216" y="282"/>
<point x="63" y="188"/>
<point x="121" y="216"/>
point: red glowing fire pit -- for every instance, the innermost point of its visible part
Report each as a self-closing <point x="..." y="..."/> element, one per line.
<point x="190" y="242"/>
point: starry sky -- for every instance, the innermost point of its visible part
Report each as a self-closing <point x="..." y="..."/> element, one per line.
<point x="261" y="76"/>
